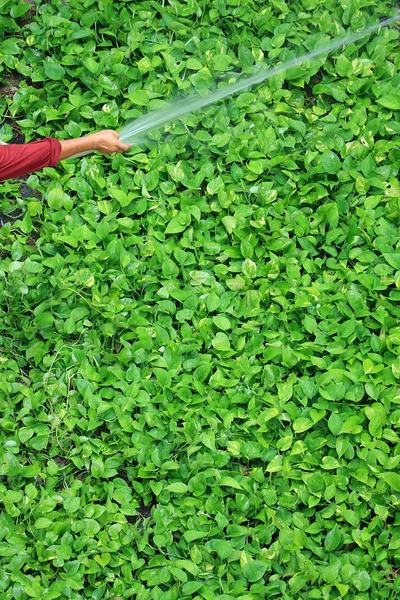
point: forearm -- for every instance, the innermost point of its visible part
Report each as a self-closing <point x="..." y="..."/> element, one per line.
<point x="106" y="141"/>
<point x="76" y="146"/>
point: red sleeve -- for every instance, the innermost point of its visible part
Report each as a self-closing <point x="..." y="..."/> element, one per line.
<point x="21" y="159"/>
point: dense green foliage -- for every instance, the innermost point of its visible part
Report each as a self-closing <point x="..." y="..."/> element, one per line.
<point x="199" y="341"/>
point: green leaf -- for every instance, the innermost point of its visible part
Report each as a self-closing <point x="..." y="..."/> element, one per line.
<point x="43" y="523"/>
<point x="229" y="223"/>
<point x="392" y="479"/>
<point x="222" y="322"/>
<point x="192" y="535"/>
<point x="302" y="424"/>
<point x="194" y="64"/>
<point x="175" y="226"/>
<point x="71" y="505"/>
<point x="393" y="258"/>
<point x="391" y="101"/>
<point x="53" y="70"/>
<point x="177" y="487"/>
<point x="329" y="462"/>
<point x="254" y="570"/>
<point x="285" y="391"/>
<point x="55" y="198"/>
<point x="188" y="565"/>
<point x="221" y="62"/>
<point x="335" y="423"/>
<point x="362" y="581"/>
<point x="121" y="196"/>
<point x="91" y="65"/>
<point x="221" y="342"/>
<point x="10" y="46"/>
<point x="333" y="539"/>
<point x="139" y="97"/>
<point x="97" y="468"/>
<point x="330" y="162"/>
<point x="230" y="482"/>
<point x="191" y="587"/>
<point x="344" y="67"/>
<point x="223" y="548"/>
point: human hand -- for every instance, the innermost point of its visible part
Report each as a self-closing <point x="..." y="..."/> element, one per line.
<point x="107" y="142"/>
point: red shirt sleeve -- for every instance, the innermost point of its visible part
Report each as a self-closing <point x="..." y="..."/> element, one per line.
<point x="21" y="159"/>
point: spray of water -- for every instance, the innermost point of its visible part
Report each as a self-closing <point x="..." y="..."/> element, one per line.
<point x="135" y="131"/>
<point x="131" y="131"/>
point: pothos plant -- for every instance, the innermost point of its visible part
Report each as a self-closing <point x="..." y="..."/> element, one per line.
<point x="199" y="340"/>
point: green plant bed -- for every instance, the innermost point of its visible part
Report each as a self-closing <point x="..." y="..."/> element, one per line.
<point x="199" y="340"/>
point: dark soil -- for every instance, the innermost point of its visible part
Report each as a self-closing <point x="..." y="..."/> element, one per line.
<point x="9" y="218"/>
<point x="144" y="512"/>
<point x="28" y="17"/>
<point x="12" y="81"/>
<point x="28" y="192"/>
<point x="18" y="137"/>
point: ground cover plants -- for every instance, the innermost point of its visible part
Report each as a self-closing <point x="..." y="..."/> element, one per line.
<point x="199" y="341"/>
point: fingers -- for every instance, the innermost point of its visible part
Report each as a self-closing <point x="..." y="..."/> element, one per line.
<point x="123" y="147"/>
<point x="112" y="144"/>
<point x="107" y="142"/>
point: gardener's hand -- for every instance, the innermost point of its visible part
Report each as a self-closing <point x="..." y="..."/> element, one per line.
<point x="106" y="141"/>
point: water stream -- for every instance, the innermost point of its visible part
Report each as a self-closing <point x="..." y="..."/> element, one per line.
<point x="132" y="131"/>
